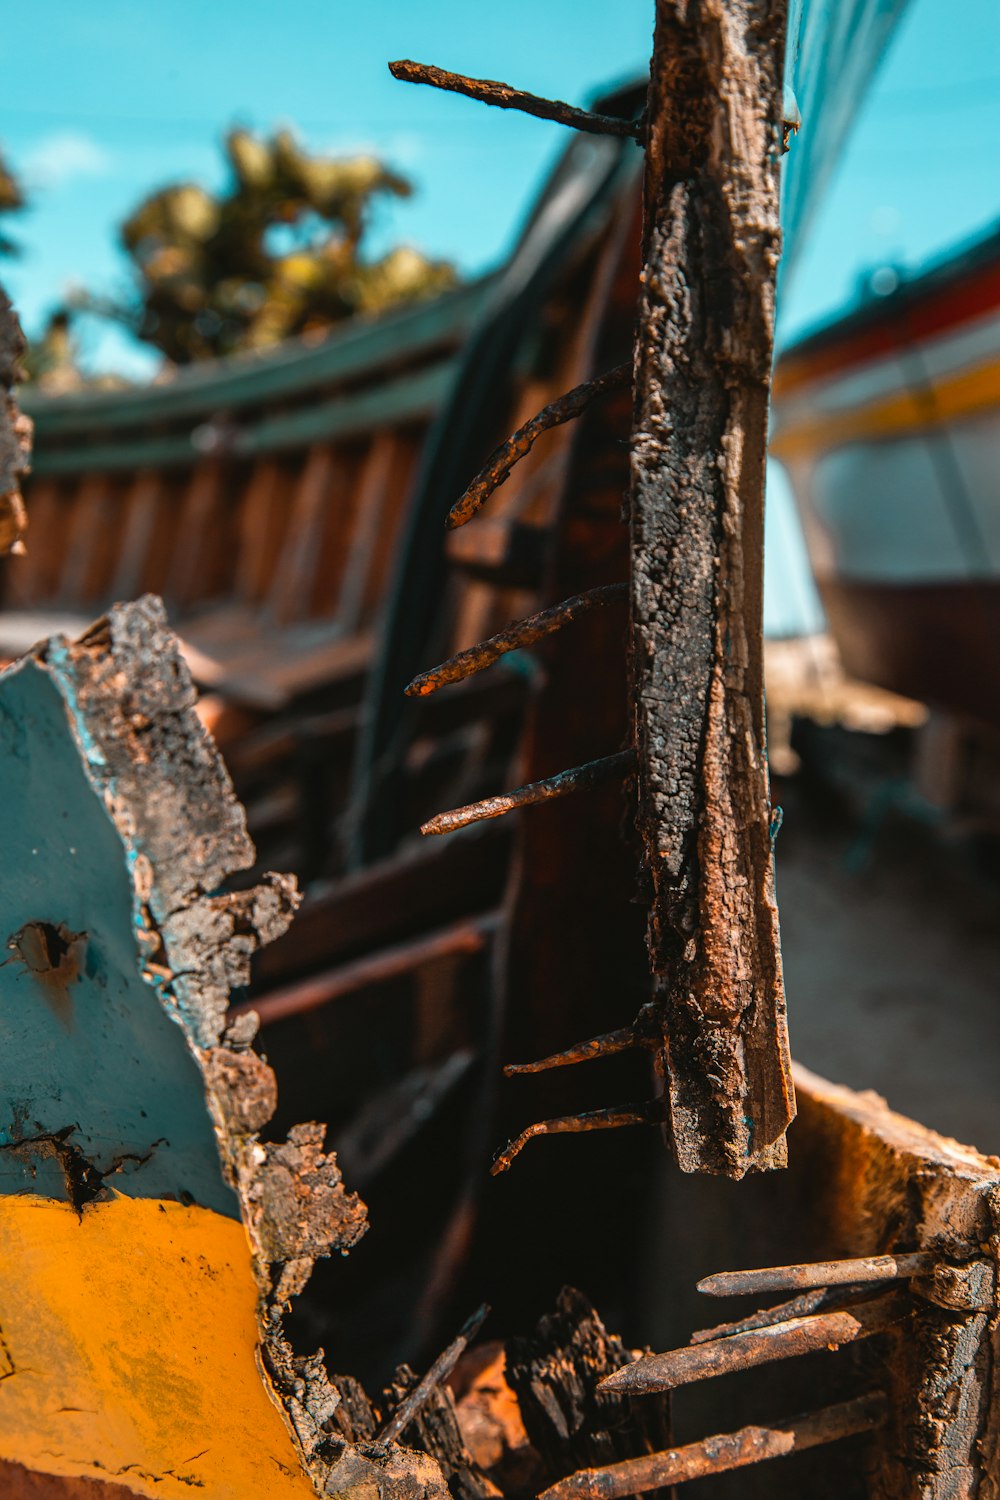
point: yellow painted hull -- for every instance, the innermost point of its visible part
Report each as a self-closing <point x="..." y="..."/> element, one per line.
<point x="129" y="1352"/>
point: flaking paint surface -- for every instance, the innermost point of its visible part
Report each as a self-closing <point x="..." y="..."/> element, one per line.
<point x="95" y="1052"/>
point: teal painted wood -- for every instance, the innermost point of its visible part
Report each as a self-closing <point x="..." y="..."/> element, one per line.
<point x="361" y="349"/>
<point x="407" y="399"/>
<point x="89" y="1050"/>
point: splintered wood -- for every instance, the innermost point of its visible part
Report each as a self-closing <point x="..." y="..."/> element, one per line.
<point x="703" y="364"/>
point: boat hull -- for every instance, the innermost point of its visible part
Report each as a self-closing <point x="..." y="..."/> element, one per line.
<point x="888" y="424"/>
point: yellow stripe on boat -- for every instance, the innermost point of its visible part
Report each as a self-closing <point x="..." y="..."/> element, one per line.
<point x="128" y="1352"/>
<point x="961" y="395"/>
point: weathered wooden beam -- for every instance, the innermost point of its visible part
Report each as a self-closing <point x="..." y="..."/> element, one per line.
<point x="703" y="365"/>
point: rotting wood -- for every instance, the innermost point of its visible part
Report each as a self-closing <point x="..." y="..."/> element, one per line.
<point x="15" y="434"/>
<point x="555" y="1374"/>
<point x="703" y="361"/>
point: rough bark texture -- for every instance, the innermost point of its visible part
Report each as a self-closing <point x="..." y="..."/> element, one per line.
<point x="168" y="795"/>
<point x="703" y="368"/>
<point x="15" y="433"/>
<point x="873" y="1181"/>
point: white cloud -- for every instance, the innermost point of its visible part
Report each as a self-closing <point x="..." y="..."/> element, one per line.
<point x="62" y="155"/>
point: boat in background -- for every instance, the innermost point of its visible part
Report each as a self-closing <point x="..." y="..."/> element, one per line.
<point x="887" y="421"/>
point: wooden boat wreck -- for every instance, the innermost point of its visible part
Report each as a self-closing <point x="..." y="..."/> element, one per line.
<point x="431" y="948"/>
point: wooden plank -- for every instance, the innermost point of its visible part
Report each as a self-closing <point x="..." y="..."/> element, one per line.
<point x="373" y="499"/>
<point x="259" y="528"/>
<point x="296" y="570"/>
<point x="15" y="433"/>
<point x="91" y="533"/>
<point x="198" y="540"/>
<point x="391" y="901"/>
<point x="334" y="533"/>
<point x="267" y="671"/>
<point x="31" y="578"/>
<point x="143" y="497"/>
<point x="406" y="457"/>
<point x="698" y="448"/>
<point x="461" y="940"/>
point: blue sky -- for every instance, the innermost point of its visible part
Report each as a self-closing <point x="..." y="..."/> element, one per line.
<point x="106" y="102"/>
<point x="110" y="101"/>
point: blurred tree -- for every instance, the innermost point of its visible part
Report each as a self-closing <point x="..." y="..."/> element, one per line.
<point x="12" y="200"/>
<point x="279" y="253"/>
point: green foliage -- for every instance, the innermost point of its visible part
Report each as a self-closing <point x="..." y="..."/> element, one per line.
<point x="280" y="253"/>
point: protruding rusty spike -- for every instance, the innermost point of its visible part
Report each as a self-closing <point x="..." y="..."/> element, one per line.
<point x="503" y="459"/>
<point x="759" y="1346"/>
<point x="605" y="1045"/>
<point x="868" y="1268"/>
<point x="820" y="1300"/>
<point x="595" y="1119"/>
<point x="516" y="636"/>
<point x="411" y="1405"/>
<point x="576" y="780"/>
<point x="724" y="1451"/>
<point x="488" y="91"/>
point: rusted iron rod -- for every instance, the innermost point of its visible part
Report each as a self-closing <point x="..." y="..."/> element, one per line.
<point x="759" y="1346"/>
<point x="411" y="1405"/>
<point x="605" y="1045"/>
<point x="867" y="1268"/>
<point x="466" y="937"/>
<point x="502" y="96"/>
<point x="820" y="1300"/>
<point x="577" y="780"/>
<point x="595" y="1119"/>
<point x="501" y="462"/>
<point x="514" y="638"/>
<point x="725" y="1451"/>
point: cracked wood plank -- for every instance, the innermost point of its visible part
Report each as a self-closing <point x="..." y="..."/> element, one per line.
<point x="703" y="360"/>
<point x="150" y="1241"/>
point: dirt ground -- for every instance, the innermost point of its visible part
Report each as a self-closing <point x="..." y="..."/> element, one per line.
<point x="890" y="923"/>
